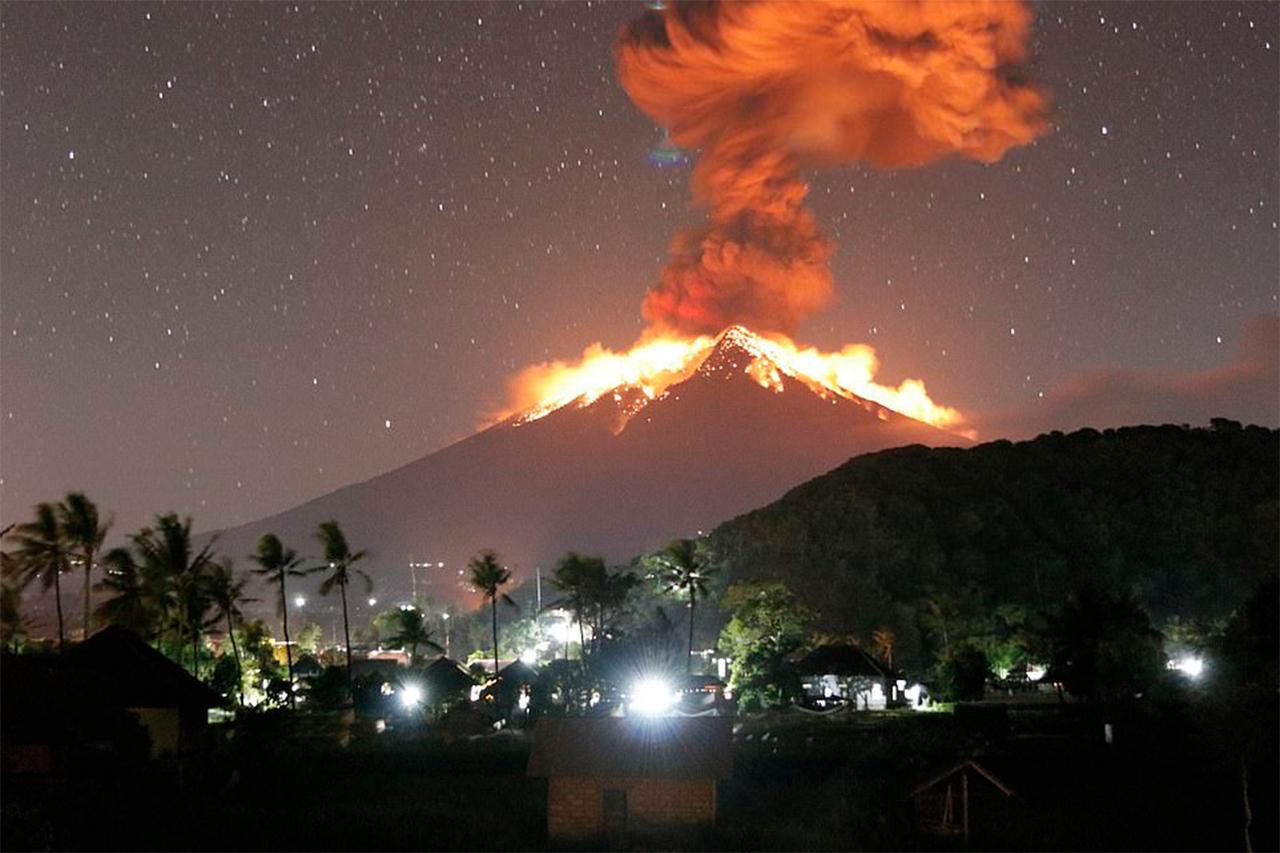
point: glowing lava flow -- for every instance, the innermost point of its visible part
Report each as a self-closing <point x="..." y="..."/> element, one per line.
<point x="656" y="363"/>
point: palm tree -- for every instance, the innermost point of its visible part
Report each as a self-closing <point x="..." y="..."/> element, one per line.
<point x="13" y="626"/>
<point x="683" y="565"/>
<point x="41" y="553"/>
<point x="339" y="559"/>
<point x="884" y="641"/>
<point x="276" y="563"/>
<point x="175" y="578"/>
<point x="576" y="576"/>
<point x="134" y="601"/>
<point x="226" y="592"/>
<point x="84" y="533"/>
<point x="409" y="630"/>
<point x="489" y="576"/>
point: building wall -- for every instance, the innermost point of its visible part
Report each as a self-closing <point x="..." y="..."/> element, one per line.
<point x="575" y="806"/>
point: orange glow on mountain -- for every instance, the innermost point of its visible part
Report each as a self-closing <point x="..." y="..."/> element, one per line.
<point x="658" y="361"/>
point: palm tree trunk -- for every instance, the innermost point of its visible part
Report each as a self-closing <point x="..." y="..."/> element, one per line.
<point x="582" y="638"/>
<point x="493" y="607"/>
<point x="288" y="652"/>
<point x="195" y="650"/>
<point x="1248" y="812"/>
<point x="346" y="633"/>
<point x="693" y="603"/>
<point x="88" y="568"/>
<point x="57" y="598"/>
<point x="235" y="650"/>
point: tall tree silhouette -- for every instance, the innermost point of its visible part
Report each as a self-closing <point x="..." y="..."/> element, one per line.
<point x="683" y="566"/>
<point x="409" y="631"/>
<point x="177" y="577"/>
<point x="489" y="576"/>
<point x="226" y="592"/>
<point x="41" y="553"/>
<point x="277" y="563"/>
<point x="133" y="601"/>
<point x="84" y="532"/>
<point x="339" y="561"/>
<point x="576" y="576"/>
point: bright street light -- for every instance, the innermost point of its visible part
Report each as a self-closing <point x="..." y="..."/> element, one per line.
<point x="410" y="695"/>
<point x="652" y="697"/>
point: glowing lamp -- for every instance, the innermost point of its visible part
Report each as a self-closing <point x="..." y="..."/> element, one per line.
<point x="652" y="697"/>
<point x="410" y="696"/>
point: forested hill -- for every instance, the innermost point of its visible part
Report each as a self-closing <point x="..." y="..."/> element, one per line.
<point x="1185" y="518"/>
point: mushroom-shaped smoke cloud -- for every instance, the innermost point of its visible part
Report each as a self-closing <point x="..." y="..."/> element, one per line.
<point x="766" y="88"/>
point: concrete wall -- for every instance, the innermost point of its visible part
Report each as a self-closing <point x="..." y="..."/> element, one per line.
<point x="575" y="806"/>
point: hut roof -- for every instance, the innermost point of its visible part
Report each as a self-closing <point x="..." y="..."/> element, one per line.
<point x="843" y="659"/>
<point x="967" y="764"/>
<point x="645" y="747"/>
<point x="444" y="676"/>
<point x="129" y="673"/>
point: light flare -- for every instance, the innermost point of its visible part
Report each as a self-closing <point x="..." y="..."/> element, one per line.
<point x="657" y="362"/>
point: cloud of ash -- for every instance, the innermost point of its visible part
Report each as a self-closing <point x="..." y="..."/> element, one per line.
<point x="766" y="88"/>
<point x="1246" y="389"/>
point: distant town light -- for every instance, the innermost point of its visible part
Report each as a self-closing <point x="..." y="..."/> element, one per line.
<point x="372" y="601"/>
<point x="299" y="600"/>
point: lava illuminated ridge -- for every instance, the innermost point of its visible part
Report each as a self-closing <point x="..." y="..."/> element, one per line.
<point x="646" y="371"/>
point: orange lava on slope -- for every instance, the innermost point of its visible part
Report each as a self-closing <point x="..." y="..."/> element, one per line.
<point x="658" y="361"/>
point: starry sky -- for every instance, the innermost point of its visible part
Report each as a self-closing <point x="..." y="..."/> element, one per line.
<point x="252" y="253"/>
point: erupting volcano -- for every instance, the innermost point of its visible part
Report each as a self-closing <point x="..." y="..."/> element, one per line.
<point x="715" y="410"/>
<point x="646" y="372"/>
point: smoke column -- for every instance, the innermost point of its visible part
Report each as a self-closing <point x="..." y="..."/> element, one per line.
<point x="766" y="88"/>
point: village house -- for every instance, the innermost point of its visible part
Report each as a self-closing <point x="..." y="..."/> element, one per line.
<point x="844" y="674"/>
<point x="628" y="777"/>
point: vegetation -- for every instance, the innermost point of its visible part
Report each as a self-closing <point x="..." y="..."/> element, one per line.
<point x="409" y="630"/>
<point x="489" y="576"/>
<point x="768" y="626"/>
<point x="953" y="548"/>
<point x="84" y="533"/>
<point x="684" y="566"/>
<point x="340" y="562"/>
<point x="276" y="564"/>
<point x="226" y="594"/>
<point x="41" y="554"/>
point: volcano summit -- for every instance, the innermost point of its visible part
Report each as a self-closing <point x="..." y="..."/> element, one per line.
<point x="615" y="471"/>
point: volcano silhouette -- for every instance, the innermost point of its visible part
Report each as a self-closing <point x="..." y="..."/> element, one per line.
<point x="616" y="476"/>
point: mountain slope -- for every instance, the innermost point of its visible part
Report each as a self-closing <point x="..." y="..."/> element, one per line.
<point x="617" y="475"/>
<point x="1185" y="518"/>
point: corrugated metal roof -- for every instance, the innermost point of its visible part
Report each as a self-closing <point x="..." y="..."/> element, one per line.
<point x="645" y="747"/>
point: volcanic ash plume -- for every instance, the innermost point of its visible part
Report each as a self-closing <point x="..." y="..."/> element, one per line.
<point x="763" y="89"/>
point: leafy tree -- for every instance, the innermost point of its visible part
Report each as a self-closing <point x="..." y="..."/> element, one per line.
<point x="489" y="576"/>
<point x="409" y="630"/>
<point x="768" y="625"/>
<point x="340" y="561"/>
<point x="309" y="638"/>
<point x="84" y="532"/>
<point x="276" y="564"/>
<point x="1102" y="645"/>
<point x="683" y="565"/>
<point x="226" y="592"/>
<point x="42" y="553"/>
<point x="964" y="675"/>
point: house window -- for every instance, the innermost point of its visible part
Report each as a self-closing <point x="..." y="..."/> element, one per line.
<point x="615" y="809"/>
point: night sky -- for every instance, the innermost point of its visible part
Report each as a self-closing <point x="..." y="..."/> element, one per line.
<point x="252" y="253"/>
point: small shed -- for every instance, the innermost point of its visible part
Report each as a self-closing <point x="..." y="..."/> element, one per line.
<point x="945" y="804"/>
<point x="630" y="776"/>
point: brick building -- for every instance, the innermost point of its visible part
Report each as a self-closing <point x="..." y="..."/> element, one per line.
<point x="630" y="776"/>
